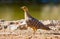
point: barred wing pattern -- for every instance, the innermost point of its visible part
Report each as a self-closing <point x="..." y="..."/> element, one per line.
<point x="32" y="22"/>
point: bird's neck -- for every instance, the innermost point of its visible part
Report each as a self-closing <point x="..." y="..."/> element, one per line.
<point x="27" y="15"/>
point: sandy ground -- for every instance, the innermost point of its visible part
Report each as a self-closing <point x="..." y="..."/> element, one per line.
<point x="28" y="34"/>
<point x="12" y="32"/>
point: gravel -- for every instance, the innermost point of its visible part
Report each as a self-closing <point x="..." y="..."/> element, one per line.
<point x="18" y="30"/>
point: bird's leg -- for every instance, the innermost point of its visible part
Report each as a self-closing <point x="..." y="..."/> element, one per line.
<point x="34" y="29"/>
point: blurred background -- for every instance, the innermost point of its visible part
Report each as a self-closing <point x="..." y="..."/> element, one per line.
<point x="40" y="9"/>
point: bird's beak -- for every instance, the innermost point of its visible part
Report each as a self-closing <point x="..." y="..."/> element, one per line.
<point x="22" y="7"/>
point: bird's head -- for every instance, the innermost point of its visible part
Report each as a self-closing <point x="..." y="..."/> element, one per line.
<point x="24" y="8"/>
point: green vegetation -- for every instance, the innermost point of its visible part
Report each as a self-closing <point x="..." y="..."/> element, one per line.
<point x="14" y="12"/>
<point x="41" y="12"/>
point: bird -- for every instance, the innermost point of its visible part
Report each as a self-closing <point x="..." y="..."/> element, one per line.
<point x="33" y="22"/>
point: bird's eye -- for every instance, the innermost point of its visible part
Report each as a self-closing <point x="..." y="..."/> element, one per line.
<point x="24" y="8"/>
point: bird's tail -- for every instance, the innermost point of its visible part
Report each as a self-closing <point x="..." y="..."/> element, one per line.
<point x="46" y="28"/>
